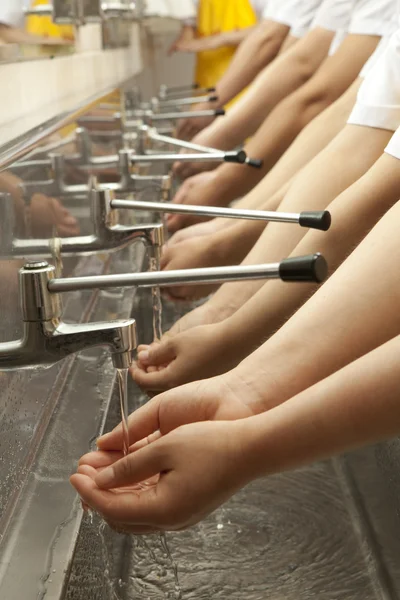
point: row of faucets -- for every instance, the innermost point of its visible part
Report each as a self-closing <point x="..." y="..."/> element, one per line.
<point x="47" y="339"/>
<point x="77" y="12"/>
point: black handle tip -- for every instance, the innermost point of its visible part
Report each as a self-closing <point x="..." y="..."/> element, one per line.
<point x="211" y="90"/>
<point x="239" y="157"/>
<point x="220" y="112"/>
<point x="254" y="162"/>
<point x="316" y="220"/>
<point x="304" y="268"/>
<point x="213" y="99"/>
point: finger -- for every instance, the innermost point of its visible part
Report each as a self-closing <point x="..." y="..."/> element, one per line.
<point x="177" y="168"/>
<point x="139" y="507"/>
<point x="158" y="354"/>
<point x="158" y="381"/>
<point x="87" y="470"/>
<point x="132" y="469"/>
<point x="175" y="223"/>
<point x="165" y="258"/>
<point x="99" y="458"/>
<point x="142" y="423"/>
<point x="153" y="437"/>
<point x="128" y="529"/>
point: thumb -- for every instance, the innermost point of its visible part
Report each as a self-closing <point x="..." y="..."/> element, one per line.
<point x="132" y="469"/>
<point x="158" y="354"/>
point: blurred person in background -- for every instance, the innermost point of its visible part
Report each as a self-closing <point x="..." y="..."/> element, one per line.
<point x="15" y="29"/>
<point x="215" y="33"/>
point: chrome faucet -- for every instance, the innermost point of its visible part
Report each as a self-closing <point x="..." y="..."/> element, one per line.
<point x="148" y="117"/>
<point x="159" y="104"/>
<point x="47" y="340"/>
<point x="107" y="236"/>
<point x="128" y="182"/>
<point x="311" y="219"/>
<point x="166" y="91"/>
<point x="312" y="268"/>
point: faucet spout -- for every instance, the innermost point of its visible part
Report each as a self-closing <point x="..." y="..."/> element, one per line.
<point x="47" y="339"/>
<point x="108" y="235"/>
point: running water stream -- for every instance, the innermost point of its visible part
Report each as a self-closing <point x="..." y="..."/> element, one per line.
<point x="154" y="265"/>
<point x="123" y="399"/>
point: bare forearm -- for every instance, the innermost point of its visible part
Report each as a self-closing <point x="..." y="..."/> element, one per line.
<point x="295" y="112"/>
<point x="256" y="51"/>
<point x="354" y="213"/>
<point x="235" y="38"/>
<point x="355" y="406"/>
<point x="286" y="74"/>
<point x="353" y="313"/>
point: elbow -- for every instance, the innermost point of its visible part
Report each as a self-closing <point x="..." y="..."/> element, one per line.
<point x="313" y="100"/>
<point x="270" y="38"/>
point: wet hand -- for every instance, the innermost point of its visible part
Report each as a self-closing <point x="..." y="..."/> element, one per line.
<point x="187" y="129"/>
<point x="199" y="466"/>
<point x="191" y="254"/>
<point x="48" y="214"/>
<point x="198" y="353"/>
<point x="201" y="190"/>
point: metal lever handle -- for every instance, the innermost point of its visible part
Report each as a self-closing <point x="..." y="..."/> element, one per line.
<point x="220" y="112"/>
<point x="181" y="94"/>
<point x="314" y="220"/>
<point x="171" y="102"/>
<point x="231" y="157"/>
<point x="309" y="268"/>
<point x="165" y="89"/>
<point x="256" y="163"/>
<point x="304" y="268"/>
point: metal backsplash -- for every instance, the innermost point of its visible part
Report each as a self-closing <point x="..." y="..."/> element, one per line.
<point x="49" y="417"/>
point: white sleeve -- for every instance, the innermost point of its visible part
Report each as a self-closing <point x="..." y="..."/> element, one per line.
<point x="189" y="11"/>
<point x="183" y="10"/>
<point x="11" y="12"/>
<point x="260" y="7"/>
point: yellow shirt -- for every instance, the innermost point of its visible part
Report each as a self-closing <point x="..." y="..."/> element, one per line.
<point x="44" y="26"/>
<point x="214" y="17"/>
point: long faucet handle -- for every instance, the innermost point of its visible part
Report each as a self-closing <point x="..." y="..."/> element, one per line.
<point x="150" y="118"/>
<point x="311" y="268"/>
<point x="173" y="89"/>
<point x="313" y="220"/>
<point x="195" y="93"/>
<point x="256" y="163"/>
<point x="157" y="104"/>
<point x="238" y="157"/>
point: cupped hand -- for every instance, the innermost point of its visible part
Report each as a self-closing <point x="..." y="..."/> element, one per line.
<point x="200" y="466"/>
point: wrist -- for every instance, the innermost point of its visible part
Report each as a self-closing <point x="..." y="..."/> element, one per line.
<point x="226" y="181"/>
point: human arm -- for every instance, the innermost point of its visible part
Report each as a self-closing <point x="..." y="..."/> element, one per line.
<point x="287" y="120"/>
<point x="186" y="35"/>
<point x="267" y="306"/>
<point x="279" y="79"/>
<point x="256" y="51"/>
<point x="202" y="464"/>
<point x="213" y="42"/>
<point x="313" y="139"/>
